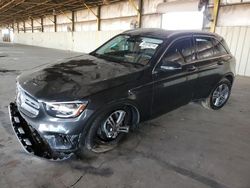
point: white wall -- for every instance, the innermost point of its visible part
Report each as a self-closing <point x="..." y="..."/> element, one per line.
<point x="234" y="25"/>
<point x="85" y="41"/>
<point x="238" y="40"/>
<point x="234" y="15"/>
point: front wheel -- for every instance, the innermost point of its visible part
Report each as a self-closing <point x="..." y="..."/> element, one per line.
<point x="106" y="131"/>
<point x="219" y="96"/>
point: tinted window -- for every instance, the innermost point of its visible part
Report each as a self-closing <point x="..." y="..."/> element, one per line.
<point x="204" y="47"/>
<point x="181" y="52"/>
<point x="223" y="42"/>
<point x="219" y="48"/>
<point x="131" y="49"/>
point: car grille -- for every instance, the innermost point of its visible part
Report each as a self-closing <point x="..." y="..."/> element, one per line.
<point x="26" y="103"/>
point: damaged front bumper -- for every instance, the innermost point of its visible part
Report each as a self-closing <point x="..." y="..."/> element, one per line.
<point x="47" y="145"/>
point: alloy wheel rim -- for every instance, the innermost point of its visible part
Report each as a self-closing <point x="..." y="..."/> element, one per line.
<point x="115" y="124"/>
<point x="220" y="95"/>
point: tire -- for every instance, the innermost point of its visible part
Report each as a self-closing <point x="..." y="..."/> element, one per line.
<point x="211" y="103"/>
<point x="96" y="141"/>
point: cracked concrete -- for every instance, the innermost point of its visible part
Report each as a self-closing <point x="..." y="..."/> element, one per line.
<point x="190" y="147"/>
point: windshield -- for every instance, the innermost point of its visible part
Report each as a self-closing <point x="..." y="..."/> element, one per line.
<point x="131" y="49"/>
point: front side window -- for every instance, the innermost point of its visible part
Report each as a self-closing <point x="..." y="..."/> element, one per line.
<point x="130" y="49"/>
<point x="180" y="52"/>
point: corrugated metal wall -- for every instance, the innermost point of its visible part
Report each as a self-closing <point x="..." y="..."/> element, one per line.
<point x="238" y="40"/>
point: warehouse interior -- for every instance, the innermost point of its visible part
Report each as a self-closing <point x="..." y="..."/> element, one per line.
<point x="188" y="147"/>
<point x="67" y="24"/>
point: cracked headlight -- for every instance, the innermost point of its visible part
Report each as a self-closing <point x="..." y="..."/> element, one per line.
<point x="65" y="109"/>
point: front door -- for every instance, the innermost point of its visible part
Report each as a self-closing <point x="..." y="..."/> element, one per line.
<point x="175" y="76"/>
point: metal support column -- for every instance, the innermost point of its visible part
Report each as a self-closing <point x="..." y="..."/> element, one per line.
<point x="138" y="10"/>
<point x="73" y="21"/>
<point x="42" y="24"/>
<point x="13" y="26"/>
<point x="17" y="27"/>
<point x="99" y="18"/>
<point x="96" y="15"/>
<point x="55" y="23"/>
<point x="215" y="15"/>
<point x="24" y="28"/>
<point x="32" y="25"/>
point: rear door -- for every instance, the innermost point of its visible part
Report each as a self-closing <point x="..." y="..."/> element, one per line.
<point x="210" y="59"/>
<point x="174" y="87"/>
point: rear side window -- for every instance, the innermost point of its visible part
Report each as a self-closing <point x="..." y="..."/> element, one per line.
<point x="207" y="47"/>
<point x="223" y="42"/>
<point x="204" y="47"/>
<point x="219" y="48"/>
<point x="181" y="51"/>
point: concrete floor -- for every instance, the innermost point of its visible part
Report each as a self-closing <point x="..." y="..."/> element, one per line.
<point x="188" y="148"/>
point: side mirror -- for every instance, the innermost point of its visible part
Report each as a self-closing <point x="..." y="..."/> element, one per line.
<point x="169" y="66"/>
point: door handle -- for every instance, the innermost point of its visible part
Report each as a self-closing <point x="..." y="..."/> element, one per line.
<point x="220" y="63"/>
<point x="191" y="68"/>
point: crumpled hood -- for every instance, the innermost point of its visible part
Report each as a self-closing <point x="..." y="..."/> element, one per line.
<point x="75" y="78"/>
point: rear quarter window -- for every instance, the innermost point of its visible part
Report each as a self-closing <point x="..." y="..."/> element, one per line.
<point x="223" y="42"/>
<point x="219" y="49"/>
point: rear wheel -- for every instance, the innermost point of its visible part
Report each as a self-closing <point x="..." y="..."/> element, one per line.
<point x="219" y="96"/>
<point x="106" y="131"/>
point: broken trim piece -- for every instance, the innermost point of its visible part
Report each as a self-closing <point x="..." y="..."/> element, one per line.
<point x="30" y="139"/>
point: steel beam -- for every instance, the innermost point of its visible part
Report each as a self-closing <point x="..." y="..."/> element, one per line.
<point x="42" y="24"/>
<point x="24" y="28"/>
<point x="90" y="10"/>
<point x="215" y="15"/>
<point x="98" y="15"/>
<point x="73" y="21"/>
<point x="55" y="23"/>
<point x="99" y="18"/>
<point x="48" y="18"/>
<point x="24" y="9"/>
<point x="13" y="26"/>
<point x="6" y="4"/>
<point x="138" y="10"/>
<point x="66" y="15"/>
<point x="17" y="27"/>
<point x="32" y="25"/>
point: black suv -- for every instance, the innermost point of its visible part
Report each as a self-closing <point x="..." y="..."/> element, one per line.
<point x="86" y="104"/>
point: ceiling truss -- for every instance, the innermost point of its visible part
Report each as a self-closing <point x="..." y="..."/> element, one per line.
<point x="13" y="11"/>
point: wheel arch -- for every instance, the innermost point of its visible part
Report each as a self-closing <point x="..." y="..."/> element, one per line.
<point x="136" y="113"/>
<point x="230" y="77"/>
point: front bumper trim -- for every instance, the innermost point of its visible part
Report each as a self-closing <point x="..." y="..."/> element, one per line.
<point x="30" y="139"/>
